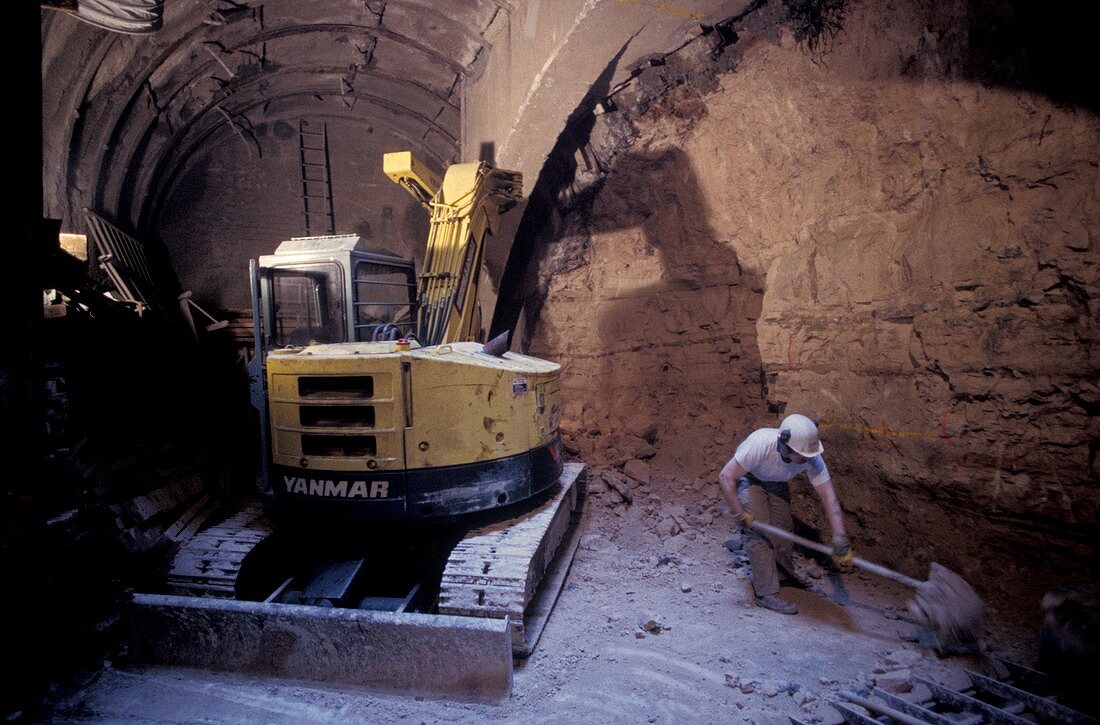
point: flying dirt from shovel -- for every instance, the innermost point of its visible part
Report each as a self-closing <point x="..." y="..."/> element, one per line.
<point x="950" y="606"/>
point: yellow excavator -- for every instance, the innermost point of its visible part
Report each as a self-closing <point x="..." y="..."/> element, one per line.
<point x="390" y="409"/>
<point x="407" y="465"/>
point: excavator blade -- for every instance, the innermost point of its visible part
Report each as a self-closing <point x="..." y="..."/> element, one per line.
<point x="458" y="657"/>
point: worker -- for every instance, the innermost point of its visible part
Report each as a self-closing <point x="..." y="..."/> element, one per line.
<point x="755" y="482"/>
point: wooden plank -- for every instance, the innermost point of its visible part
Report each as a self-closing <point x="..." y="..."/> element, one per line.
<point x="1040" y="706"/>
<point x="972" y="704"/>
<point x="898" y="716"/>
<point x="851" y="715"/>
<point x="912" y="708"/>
<point x="1032" y="680"/>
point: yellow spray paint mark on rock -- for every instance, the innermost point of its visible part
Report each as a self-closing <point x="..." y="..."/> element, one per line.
<point x="887" y="432"/>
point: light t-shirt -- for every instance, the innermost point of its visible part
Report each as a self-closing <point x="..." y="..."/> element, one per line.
<point x="759" y="455"/>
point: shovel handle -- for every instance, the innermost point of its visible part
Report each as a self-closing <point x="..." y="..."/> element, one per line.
<point x="828" y="551"/>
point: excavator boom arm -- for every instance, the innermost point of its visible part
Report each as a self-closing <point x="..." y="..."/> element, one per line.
<point x="465" y="209"/>
<point x="411" y="175"/>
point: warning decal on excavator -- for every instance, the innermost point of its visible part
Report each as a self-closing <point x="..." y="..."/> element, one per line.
<point x="519" y="385"/>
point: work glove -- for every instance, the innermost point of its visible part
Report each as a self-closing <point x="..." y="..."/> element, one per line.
<point x="743" y="520"/>
<point x="842" y="551"/>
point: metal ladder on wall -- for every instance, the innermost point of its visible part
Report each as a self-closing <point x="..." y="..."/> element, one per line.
<point x="313" y="155"/>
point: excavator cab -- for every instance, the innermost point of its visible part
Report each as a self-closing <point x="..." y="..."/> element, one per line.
<point x="304" y="308"/>
<point x="321" y="290"/>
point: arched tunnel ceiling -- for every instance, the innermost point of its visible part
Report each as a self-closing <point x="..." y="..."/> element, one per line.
<point x="125" y="115"/>
<point x="128" y="118"/>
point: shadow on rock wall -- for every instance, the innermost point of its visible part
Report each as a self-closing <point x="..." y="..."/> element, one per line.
<point x="931" y="285"/>
<point x="659" y="330"/>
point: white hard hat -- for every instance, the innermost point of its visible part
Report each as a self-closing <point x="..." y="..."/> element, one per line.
<point x="799" y="433"/>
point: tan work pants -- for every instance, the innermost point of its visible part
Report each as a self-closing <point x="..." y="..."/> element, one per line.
<point x="770" y="502"/>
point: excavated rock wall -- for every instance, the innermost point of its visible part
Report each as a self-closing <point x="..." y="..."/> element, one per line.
<point x="871" y="237"/>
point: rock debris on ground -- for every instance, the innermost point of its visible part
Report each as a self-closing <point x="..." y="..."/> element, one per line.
<point x="638" y="634"/>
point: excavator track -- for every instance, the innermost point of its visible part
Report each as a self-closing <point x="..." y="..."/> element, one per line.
<point x="208" y="564"/>
<point x="496" y="570"/>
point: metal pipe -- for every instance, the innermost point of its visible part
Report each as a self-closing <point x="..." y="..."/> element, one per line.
<point x="132" y="17"/>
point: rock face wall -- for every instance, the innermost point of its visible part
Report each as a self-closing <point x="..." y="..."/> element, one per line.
<point x="870" y="237"/>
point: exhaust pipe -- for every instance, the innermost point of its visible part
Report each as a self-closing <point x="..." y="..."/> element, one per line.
<point x="498" y="345"/>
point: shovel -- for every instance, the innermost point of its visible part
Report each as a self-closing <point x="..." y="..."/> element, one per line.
<point x="945" y="602"/>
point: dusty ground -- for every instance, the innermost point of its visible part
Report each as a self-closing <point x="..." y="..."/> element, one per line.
<point x="714" y="656"/>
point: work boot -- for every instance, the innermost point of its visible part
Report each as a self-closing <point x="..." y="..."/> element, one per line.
<point x="777" y="603"/>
